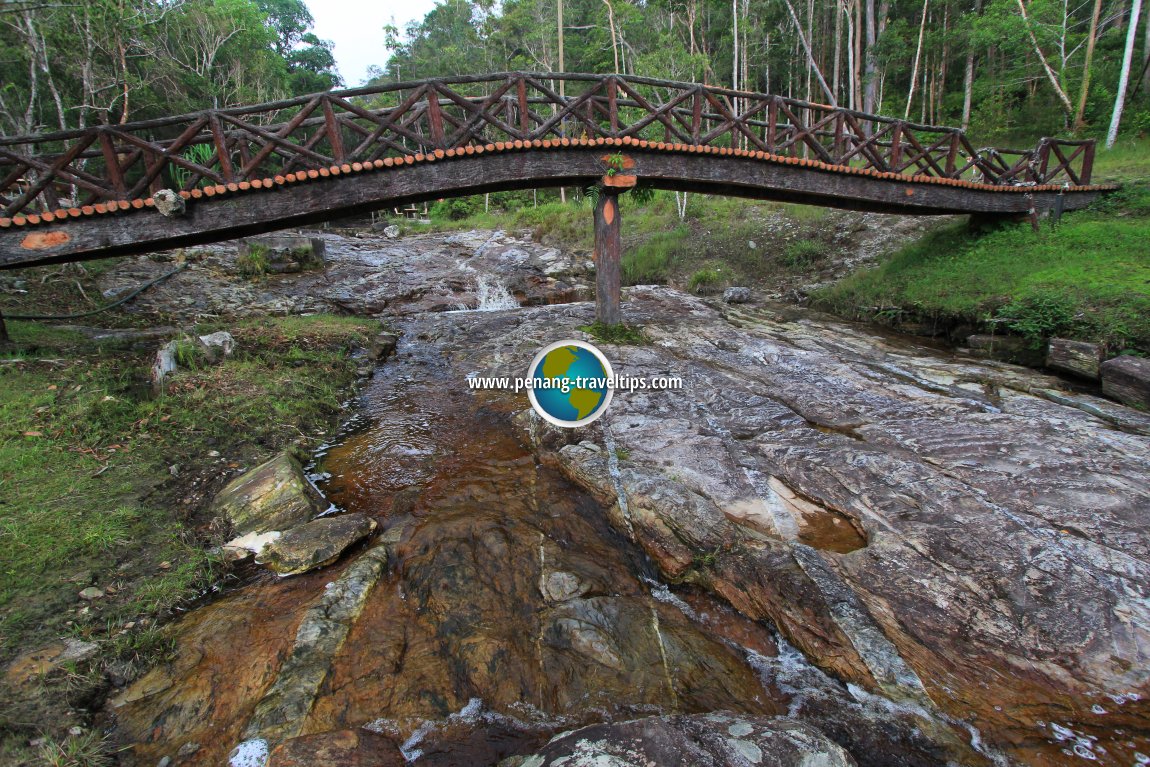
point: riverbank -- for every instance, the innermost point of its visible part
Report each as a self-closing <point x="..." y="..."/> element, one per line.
<point x="104" y="484"/>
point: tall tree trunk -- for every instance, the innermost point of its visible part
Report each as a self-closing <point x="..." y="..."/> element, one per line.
<point x="917" y="58"/>
<point x="1079" y="121"/>
<point x="837" y="68"/>
<point x="968" y="75"/>
<point x="871" y="67"/>
<point x="1063" y="99"/>
<point x="1124" y="78"/>
<point x="810" y="56"/>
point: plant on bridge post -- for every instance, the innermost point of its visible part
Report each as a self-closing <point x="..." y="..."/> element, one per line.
<point x="614" y="163"/>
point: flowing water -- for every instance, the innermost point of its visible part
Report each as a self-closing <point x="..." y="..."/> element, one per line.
<point x="507" y="610"/>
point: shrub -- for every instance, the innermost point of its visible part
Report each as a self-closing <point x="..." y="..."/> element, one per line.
<point x="801" y="254"/>
<point x="704" y="280"/>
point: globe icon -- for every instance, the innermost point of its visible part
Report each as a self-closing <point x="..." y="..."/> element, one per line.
<point x="570" y="383"/>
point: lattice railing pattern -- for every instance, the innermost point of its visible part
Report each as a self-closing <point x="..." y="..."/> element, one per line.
<point x="227" y="146"/>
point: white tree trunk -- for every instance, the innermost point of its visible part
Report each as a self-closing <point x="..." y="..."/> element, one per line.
<point x="1124" y="79"/>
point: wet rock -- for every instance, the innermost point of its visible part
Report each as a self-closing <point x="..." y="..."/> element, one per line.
<point x="247" y="545"/>
<point x="35" y="664"/>
<point x="996" y="347"/>
<point x="1127" y="379"/>
<point x="383" y="345"/>
<point x="281" y="712"/>
<point x="315" y="544"/>
<point x="926" y="529"/>
<point x="700" y="740"/>
<point x="1076" y="357"/>
<point x="737" y="295"/>
<point x="273" y="496"/>
<point x="344" y="748"/>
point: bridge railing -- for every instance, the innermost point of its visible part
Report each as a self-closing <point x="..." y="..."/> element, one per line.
<point x="238" y="145"/>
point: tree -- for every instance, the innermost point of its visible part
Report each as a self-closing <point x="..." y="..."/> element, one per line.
<point x="1124" y="78"/>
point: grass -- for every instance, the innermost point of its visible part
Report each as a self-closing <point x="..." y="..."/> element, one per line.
<point x="1089" y="278"/>
<point x="102" y="482"/>
<point x="631" y="335"/>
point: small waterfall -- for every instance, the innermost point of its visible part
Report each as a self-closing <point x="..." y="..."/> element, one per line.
<point x="493" y="295"/>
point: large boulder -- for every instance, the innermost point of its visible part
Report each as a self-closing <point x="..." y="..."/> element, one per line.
<point x="699" y="740"/>
<point x="273" y="496"/>
<point x="1127" y="379"/>
<point x="315" y="544"/>
<point x="1078" y="358"/>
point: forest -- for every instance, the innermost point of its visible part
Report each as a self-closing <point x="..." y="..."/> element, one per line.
<point x="1003" y="68"/>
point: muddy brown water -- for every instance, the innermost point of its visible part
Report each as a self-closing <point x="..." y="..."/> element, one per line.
<point x="509" y="611"/>
<point x="512" y="610"/>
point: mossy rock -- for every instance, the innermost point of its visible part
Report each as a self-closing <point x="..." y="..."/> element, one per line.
<point x="273" y="496"/>
<point x="315" y="544"/>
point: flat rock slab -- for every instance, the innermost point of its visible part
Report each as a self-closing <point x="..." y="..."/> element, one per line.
<point x="273" y="496"/>
<point x="1127" y="379"/>
<point x="315" y="544"/>
<point x="999" y="573"/>
<point x="1075" y="357"/>
<point x="701" y="740"/>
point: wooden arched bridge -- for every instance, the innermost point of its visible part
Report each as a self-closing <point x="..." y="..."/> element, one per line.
<point x="233" y="172"/>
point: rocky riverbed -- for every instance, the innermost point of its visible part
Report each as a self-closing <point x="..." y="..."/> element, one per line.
<point x="831" y="545"/>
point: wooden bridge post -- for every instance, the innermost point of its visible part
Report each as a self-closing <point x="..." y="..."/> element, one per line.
<point x="608" y="251"/>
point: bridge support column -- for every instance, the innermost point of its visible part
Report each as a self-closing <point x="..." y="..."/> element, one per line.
<point x="608" y="251"/>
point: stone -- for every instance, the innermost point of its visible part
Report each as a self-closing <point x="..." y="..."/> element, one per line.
<point x="340" y="748"/>
<point x="218" y="345"/>
<point x="383" y="345"/>
<point x="92" y="592"/>
<point x="315" y="544"/>
<point x="282" y="254"/>
<point x="697" y="740"/>
<point x="1127" y="379"/>
<point x="169" y="203"/>
<point x="164" y="364"/>
<point x="737" y="295"/>
<point x="1075" y="357"/>
<point x="187" y="750"/>
<point x="273" y="496"/>
<point x="36" y="663"/>
<point x="391" y="232"/>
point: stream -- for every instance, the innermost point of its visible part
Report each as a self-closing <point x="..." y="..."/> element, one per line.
<point x="505" y="601"/>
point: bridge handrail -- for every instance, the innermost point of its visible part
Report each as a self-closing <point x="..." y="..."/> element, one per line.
<point x="116" y="162"/>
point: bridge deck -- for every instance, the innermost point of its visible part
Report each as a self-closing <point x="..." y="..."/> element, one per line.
<point x="92" y="193"/>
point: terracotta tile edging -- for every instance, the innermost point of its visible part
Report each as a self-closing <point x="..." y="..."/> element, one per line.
<point x="439" y="155"/>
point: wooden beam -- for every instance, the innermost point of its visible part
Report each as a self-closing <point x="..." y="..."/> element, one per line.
<point x="302" y="203"/>
<point x="607" y="256"/>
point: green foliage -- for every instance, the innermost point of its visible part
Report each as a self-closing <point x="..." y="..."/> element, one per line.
<point x="704" y="280"/>
<point x="631" y="335"/>
<point x="1040" y="315"/>
<point x="1089" y="278"/>
<point x="254" y="262"/>
<point x="614" y="163"/>
<point x="652" y="260"/>
<point x="85" y="458"/>
<point x="802" y="254"/>
<point x="456" y="208"/>
<point x="90" y="749"/>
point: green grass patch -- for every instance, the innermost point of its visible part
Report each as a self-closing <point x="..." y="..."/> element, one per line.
<point x="630" y="335"/>
<point x="94" y="468"/>
<point x="1089" y="278"/>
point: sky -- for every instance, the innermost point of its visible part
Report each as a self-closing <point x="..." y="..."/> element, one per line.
<point x="356" y="28"/>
